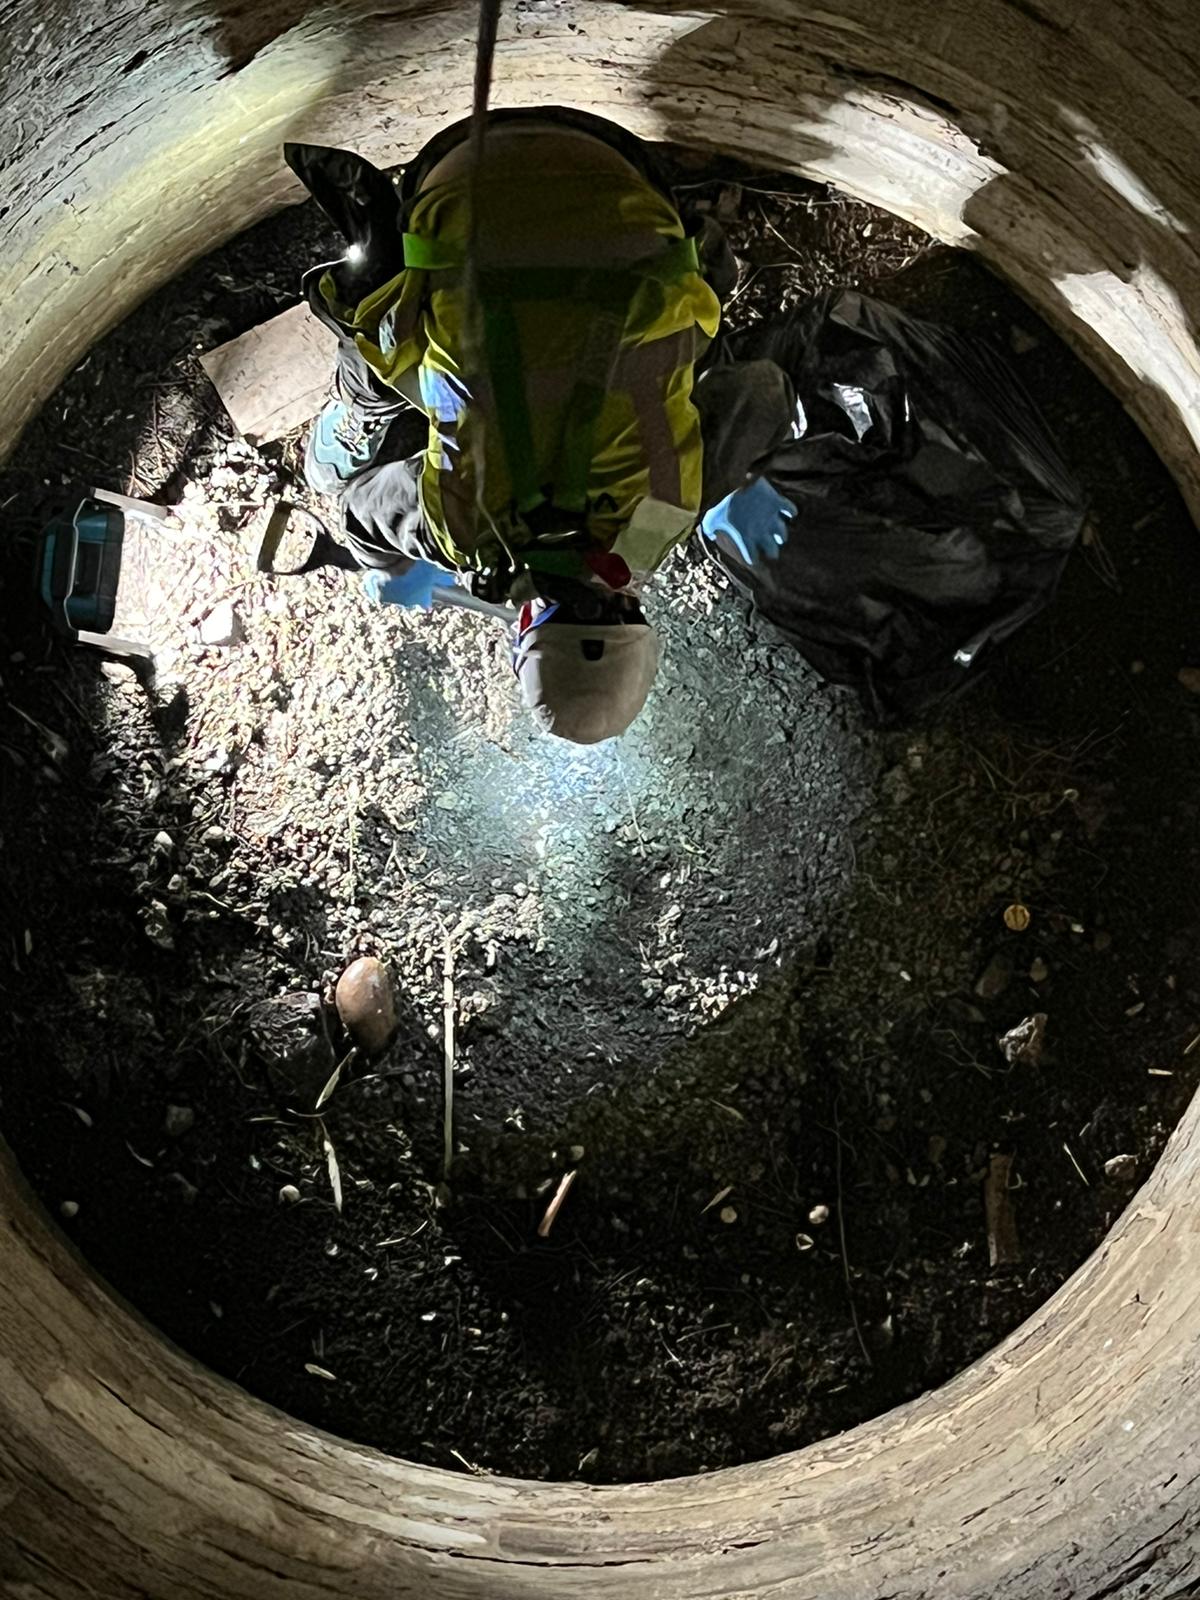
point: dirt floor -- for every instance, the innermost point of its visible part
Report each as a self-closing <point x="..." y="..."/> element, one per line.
<point x="744" y="972"/>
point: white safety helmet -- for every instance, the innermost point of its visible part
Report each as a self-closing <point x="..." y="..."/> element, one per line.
<point x="583" y="681"/>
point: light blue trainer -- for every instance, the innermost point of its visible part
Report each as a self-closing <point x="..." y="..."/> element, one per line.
<point x="340" y="446"/>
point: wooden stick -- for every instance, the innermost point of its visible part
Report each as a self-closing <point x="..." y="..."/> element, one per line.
<point x="555" y="1206"/>
<point x="448" y="1059"/>
<point x="1004" y="1249"/>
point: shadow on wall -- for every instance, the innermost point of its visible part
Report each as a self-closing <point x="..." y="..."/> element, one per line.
<point x="1119" y="255"/>
<point x="1124" y="296"/>
<point x="242" y="30"/>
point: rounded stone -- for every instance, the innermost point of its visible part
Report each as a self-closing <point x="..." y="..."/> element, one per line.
<point x="366" y="1003"/>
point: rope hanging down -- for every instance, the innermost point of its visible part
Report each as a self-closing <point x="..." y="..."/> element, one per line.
<point x="485" y="53"/>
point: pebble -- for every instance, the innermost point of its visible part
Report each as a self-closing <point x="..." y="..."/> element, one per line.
<point x="69" y="1209"/>
<point x="1026" y="1041"/>
<point x="1038" y="970"/>
<point x="289" y="1195"/>
<point x="178" y="1121"/>
<point x="157" y="925"/>
<point x="994" y="978"/>
<point x="187" y="1191"/>
<point x="118" y="672"/>
<point x="818" y="1215"/>
<point x="214" y="835"/>
<point x="366" y="1003"/>
<point x="728" y="1214"/>
<point x="1121" y="1169"/>
<point x="804" y="1241"/>
<point x="1189" y="677"/>
<point x="222" y="626"/>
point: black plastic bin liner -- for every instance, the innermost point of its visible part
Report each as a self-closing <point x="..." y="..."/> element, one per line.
<point x="932" y="512"/>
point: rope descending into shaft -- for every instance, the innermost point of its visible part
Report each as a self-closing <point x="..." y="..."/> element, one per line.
<point x="473" y="328"/>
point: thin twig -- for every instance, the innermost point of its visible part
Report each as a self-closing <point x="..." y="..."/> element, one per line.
<point x="351" y="829"/>
<point x="767" y="266"/>
<point x="778" y="235"/>
<point x="841" y="1211"/>
<point x="1075" y="1164"/>
<point x="448" y="1059"/>
<point x="555" y="1206"/>
<point x="331" y="1165"/>
<point x="1004" y="1249"/>
<point x="637" y="827"/>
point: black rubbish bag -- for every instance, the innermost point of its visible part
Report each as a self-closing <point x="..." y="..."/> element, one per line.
<point x="921" y="515"/>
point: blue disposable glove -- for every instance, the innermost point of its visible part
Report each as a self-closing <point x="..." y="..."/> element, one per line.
<point x="755" y="520"/>
<point x="412" y="587"/>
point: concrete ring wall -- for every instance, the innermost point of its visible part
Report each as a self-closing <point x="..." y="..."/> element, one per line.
<point x="1060" y="139"/>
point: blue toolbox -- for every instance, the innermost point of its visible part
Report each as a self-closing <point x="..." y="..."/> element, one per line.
<point x="79" y="569"/>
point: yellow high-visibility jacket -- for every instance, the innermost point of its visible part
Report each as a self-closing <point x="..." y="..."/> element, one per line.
<point x="567" y="388"/>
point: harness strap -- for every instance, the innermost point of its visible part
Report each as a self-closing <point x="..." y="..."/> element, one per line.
<point x="611" y="292"/>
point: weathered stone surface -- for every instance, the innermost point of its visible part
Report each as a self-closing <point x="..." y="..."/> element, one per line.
<point x="1057" y="138"/>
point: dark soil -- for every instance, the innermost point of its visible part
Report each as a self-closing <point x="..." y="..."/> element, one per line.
<point x="744" y="973"/>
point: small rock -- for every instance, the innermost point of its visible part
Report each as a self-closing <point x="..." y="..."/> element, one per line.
<point x="366" y="1003"/>
<point x="963" y="1010"/>
<point x="291" y="1032"/>
<point x="157" y="925"/>
<point x="446" y="802"/>
<point x="818" y="1215"/>
<point x="1025" y="1042"/>
<point x="1038" y="970"/>
<point x="728" y="1214"/>
<point x="994" y="978"/>
<point x="1017" y="918"/>
<point x="1121" y="1169"/>
<point x="936" y="1149"/>
<point x="222" y="626"/>
<point x="214" y="835"/>
<point x="186" y="1191"/>
<point x="69" y="1210"/>
<point x="289" y="1195"/>
<point x="576" y="1153"/>
<point x="178" y="1121"/>
<point x="882" y="1336"/>
<point x="729" y="203"/>
<point x="896" y="786"/>
<point x="804" y="1242"/>
<point x="1189" y="677"/>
